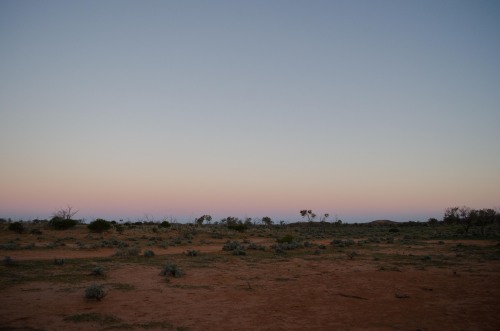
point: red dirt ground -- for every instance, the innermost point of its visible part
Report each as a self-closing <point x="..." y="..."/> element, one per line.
<point x="314" y="293"/>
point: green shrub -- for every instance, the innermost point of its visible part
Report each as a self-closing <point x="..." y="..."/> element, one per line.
<point x="95" y="292"/>
<point x="119" y="228"/>
<point x="60" y="223"/>
<point x="352" y="254"/>
<point x="191" y="252"/>
<point x="10" y="246"/>
<point x="99" y="225"/>
<point x="172" y="270"/>
<point x="285" y="239"/>
<point x="232" y="245"/>
<point x="281" y="248"/>
<point x="149" y="253"/>
<point x="256" y="247"/>
<point x="17" y="227"/>
<point x="239" y="251"/>
<point x="36" y="231"/>
<point x="238" y="227"/>
<point x="98" y="271"/>
<point x="165" y="224"/>
<point x="342" y="243"/>
<point x="58" y="261"/>
<point x="129" y="251"/>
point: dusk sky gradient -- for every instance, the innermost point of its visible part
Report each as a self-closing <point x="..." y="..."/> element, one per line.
<point x="362" y="109"/>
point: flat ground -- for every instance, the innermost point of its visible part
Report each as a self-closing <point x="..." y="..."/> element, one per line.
<point x="373" y="279"/>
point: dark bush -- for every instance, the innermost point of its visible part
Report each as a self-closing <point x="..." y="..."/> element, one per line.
<point x="285" y="239"/>
<point x="60" y="223"/>
<point x="36" y="231"/>
<point x="98" y="271"/>
<point x="165" y="224"/>
<point x="238" y="227"/>
<point x="99" y="225"/>
<point x="191" y="252"/>
<point x="130" y="251"/>
<point x="231" y="246"/>
<point x="58" y="261"/>
<point x="17" y="227"/>
<point x="149" y="253"/>
<point x="172" y="270"/>
<point x="95" y="292"/>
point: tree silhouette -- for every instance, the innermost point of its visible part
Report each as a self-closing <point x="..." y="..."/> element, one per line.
<point x="310" y="215"/>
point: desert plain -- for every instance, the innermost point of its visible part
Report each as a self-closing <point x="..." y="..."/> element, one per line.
<point x="303" y="276"/>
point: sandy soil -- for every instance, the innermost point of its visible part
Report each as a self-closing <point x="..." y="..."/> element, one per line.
<point x="325" y="292"/>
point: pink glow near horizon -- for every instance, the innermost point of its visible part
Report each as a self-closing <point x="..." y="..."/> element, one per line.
<point x="126" y="108"/>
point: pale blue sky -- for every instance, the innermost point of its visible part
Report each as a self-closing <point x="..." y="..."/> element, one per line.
<point x="364" y="109"/>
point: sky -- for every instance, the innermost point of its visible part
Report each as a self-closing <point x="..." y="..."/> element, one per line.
<point x="173" y="109"/>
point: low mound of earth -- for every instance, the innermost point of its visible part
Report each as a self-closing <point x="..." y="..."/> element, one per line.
<point x="382" y="222"/>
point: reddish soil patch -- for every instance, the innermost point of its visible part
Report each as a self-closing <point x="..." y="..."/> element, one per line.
<point x="281" y="294"/>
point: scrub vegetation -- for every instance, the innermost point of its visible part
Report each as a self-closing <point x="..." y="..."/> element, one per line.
<point x="217" y="259"/>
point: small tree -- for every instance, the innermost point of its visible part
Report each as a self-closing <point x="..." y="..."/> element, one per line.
<point x="234" y="223"/>
<point x="483" y="218"/>
<point x="63" y="219"/>
<point x="459" y="215"/>
<point x="267" y="220"/>
<point x="65" y="213"/>
<point x="200" y="220"/>
<point x="310" y="215"/>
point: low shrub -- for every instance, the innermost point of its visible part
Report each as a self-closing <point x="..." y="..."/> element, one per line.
<point x="239" y="251"/>
<point x="16" y="227"/>
<point x="172" y="270"/>
<point x="58" y="261"/>
<point x="128" y="251"/>
<point x="285" y="246"/>
<point x="99" y="225"/>
<point x="149" y="253"/>
<point x="165" y="224"/>
<point x="352" y="254"/>
<point x="191" y="252"/>
<point x="60" y="223"/>
<point x="238" y="227"/>
<point x="98" y="271"/>
<point x="95" y="291"/>
<point x="256" y="247"/>
<point x="119" y="228"/>
<point x="232" y="245"/>
<point x="10" y="246"/>
<point x="286" y="239"/>
<point x="36" y="231"/>
<point x="342" y="243"/>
